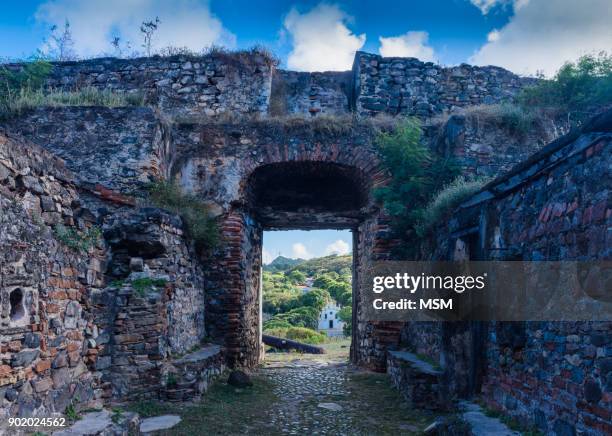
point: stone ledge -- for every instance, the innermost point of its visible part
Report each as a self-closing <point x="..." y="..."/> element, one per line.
<point x="419" y="382"/>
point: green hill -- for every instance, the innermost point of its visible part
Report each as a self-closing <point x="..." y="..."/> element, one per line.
<point x="282" y="263"/>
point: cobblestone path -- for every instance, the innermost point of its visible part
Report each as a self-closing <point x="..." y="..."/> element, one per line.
<point x="295" y="394"/>
<point x="322" y="397"/>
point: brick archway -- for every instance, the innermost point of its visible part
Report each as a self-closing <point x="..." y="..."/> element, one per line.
<point x="259" y="181"/>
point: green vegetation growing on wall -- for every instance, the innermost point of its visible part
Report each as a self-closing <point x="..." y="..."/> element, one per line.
<point x="28" y="98"/>
<point x="23" y="88"/>
<point x="576" y="90"/>
<point x="441" y="206"/>
<point x="417" y="175"/>
<point x="201" y="227"/>
<point x="81" y="241"/>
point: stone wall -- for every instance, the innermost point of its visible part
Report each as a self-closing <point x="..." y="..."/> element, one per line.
<point x="208" y="85"/>
<point x="314" y="93"/>
<point x="553" y="206"/>
<point x="48" y="338"/>
<point x="87" y="323"/>
<point x="411" y="87"/>
<point x="484" y="143"/>
<point x="116" y="149"/>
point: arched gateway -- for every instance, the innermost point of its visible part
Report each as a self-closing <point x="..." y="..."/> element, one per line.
<point x="270" y="177"/>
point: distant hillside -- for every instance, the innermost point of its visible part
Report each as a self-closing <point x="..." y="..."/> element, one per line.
<point x="320" y="265"/>
<point x="282" y="263"/>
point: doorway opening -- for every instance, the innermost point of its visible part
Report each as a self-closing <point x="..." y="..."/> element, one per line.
<point x="307" y="290"/>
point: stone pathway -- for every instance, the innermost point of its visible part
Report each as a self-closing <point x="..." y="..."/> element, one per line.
<point x="294" y="394"/>
<point x="311" y="397"/>
<point x="320" y="397"/>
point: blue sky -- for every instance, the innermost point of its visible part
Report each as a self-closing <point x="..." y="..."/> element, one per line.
<point x="306" y="244"/>
<point x="524" y="36"/>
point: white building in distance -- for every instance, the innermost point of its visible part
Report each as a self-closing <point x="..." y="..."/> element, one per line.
<point x="329" y="322"/>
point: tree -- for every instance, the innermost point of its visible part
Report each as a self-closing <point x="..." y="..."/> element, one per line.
<point x="578" y="89"/>
<point x="346" y="315"/>
<point x="148" y="29"/>
<point x="60" y="44"/>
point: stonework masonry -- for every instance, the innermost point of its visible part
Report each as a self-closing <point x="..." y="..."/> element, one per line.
<point x="137" y="313"/>
<point x="410" y="87"/>
<point x="553" y="206"/>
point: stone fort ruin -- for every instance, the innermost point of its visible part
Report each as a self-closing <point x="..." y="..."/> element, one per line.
<point x="244" y="137"/>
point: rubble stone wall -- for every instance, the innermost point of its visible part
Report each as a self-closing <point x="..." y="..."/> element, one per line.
<point x="554" y="206"/>
<point x="410" y="87"/>
<point x="48" y="340"/>
<point x="179" y="85"/>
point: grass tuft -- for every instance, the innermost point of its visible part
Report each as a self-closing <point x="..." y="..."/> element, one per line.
<point x="26" y="98"/>
<point x="201" y="227"/>
<point x="445" y="201"/>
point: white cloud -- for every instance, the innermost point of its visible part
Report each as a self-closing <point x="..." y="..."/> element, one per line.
<point x="543" y="34"/>
<point x="184" y="23"/>
<point x="485" y="6"/>
<point x="493" y="35"/>
<point x="338" y="247"/>
<point x="410" y="44"/>
<point x="266" y="256"/>
<point x="299" y="251"/>
<point x="321" y="39"/>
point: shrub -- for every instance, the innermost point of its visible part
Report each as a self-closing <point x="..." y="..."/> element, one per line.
<point x="201" y="227"/>
<point x="416" y="175"/>
<point x="346" y="315"/>
<point x="29" y="75"/>
<point x="577" y="89"/>
<point x="514" y="119"/>
<point x="300" y="334"/>
<point x="306" y="335"/>
<point x="445" y="201"/>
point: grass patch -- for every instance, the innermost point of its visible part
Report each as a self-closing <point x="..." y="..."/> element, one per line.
<point x="27" y="98"/>
<point x="445" y="201"/>
<point x="324" y="125"/>
<point x="372" y="391"/>
<point x="71" y="413"/>
<point x="143" y="285"/>
<point x="77" y="241"/>
<point x="224" y="410"/>
<point x="201" y="227"/>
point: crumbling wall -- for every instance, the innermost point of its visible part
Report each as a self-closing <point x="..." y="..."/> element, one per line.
<point x="208" y="85"/>
<point x="48" y="340"/>
<point x="327" y="93"/>
<point x="109" y="149"/>
<point x="408" y="86"/>
<point x="553" y="206"/>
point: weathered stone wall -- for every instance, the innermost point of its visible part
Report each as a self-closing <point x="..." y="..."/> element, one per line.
<point x="554" y="206"/>
<point x="315" y="93"/>
<point x="76" y="328"/>
<point x="47" y="337"/>
<point x="486" y="145"/>
<point x="116" y="149"/>
<point x="179" y="85"/>
<point x="411" y="87"/>
<point x="221" y="163"/>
